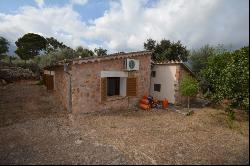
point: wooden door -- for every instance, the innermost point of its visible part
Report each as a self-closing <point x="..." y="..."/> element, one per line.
<point x="48" y="81"/>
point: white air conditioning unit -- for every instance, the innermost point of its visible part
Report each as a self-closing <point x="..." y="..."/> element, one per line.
<point x="131" y="64"/>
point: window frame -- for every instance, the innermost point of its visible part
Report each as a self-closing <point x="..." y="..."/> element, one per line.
<point x="156" y="86"/>
<point x="117" y="87"/>
<point x="153" y="75"/>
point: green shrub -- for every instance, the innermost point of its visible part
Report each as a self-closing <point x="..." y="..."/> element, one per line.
<point x="40" y="82"/>
<point x="54" y="56"/>
<point x="189" y="87"/>
<point x="228" y="76"/>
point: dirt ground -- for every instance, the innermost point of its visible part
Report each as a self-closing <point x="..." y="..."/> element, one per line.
<point x="34" y="130"/>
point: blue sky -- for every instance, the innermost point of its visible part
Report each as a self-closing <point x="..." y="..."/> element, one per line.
<point x="123" y="25"/>
<point x="8" y="6"/>
<point x="91" y="10"/>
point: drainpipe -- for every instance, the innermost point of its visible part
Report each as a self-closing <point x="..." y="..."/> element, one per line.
<point x="150" y="77"/>
<point x="69" y="88"/>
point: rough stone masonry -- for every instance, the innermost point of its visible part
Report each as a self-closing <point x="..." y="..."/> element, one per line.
<point x="86" y="82"/>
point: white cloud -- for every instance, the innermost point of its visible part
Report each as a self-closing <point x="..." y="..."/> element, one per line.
<point x="193" y="22"/>
<point x="128" y="23"/>
<point x="62" y="23"/>
<point x="79" y="2"/>
<point x="40" y="3"/>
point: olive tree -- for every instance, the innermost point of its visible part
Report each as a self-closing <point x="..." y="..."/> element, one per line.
<point x="4" y="45"/>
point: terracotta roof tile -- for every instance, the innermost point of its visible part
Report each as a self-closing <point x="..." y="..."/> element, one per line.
<point x="92" y="59"/>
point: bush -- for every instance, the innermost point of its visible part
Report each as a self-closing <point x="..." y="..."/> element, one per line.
<point x="40" y="82"/>
<point x="228" y="76"/>
<point x="54" y="56"/>
<point x="189" y="87"/>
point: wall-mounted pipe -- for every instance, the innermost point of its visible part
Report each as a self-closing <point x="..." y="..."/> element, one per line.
<point x="69" y="87"/>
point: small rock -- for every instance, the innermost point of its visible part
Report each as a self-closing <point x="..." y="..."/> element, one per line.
<point x="79" y="141"/>
<point x="3" y="82"/>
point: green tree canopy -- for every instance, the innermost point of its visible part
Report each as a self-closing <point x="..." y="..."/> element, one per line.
<point x="53" y="44"/>
<point x="150" y="44"/>
<point x="54" y="56"/>
<point x="29" y="45"/>
<point x="189" y="87"/>
<point x="228" y="76"/>
<point x="199" y="57"/>
<point x="84" y="52"/>
<point x="166" y="50"/>
<point x="100" y="51"/>
<point x="4" y="45"/>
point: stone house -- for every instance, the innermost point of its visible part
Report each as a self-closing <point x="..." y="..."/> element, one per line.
<point x="166" y="78"/>
<point x="100" y="83"/>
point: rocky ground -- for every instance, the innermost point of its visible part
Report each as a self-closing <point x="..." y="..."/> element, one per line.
<point x="34" y="129"/>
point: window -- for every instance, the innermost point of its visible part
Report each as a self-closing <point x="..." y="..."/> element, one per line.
<point x="113" y="86"/>
<point x="157" y="87"/>
<point x="153" y="73"/>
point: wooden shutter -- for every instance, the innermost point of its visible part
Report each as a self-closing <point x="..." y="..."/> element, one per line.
<point x="103" y="89"/>
<point x="131" y="86"/>
<point x="50" y="82"/>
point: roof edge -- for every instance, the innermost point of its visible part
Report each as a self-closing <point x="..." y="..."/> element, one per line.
<point x="175" y="63"/>
<point x="99" y="58"/>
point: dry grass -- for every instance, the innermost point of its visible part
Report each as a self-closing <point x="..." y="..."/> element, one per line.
<point x="171" y="138"/>
<point x="32" y="134"/>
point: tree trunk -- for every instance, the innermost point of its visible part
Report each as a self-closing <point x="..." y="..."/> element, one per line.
<point x="188" y="102"/>
<point x="10" y="60"/>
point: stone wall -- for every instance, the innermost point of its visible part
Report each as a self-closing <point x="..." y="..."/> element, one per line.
<point x="61" y="87"/>
<point x="11" y="74"/>
<point x="86" y="85"/>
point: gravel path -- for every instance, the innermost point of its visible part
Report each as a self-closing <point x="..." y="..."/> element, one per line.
<point x="34" y="130"/>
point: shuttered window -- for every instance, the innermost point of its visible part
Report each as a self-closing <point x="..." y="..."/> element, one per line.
<point x="131" y="87"/>
<point x="103" y="89"/>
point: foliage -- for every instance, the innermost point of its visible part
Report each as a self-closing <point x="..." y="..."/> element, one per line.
<point x="100" y="51"/>
<point x="31" y="65"/>
<point x="39" y="62"/>
<point x="228" y="76"/>
<point x="53" y="45"/>
<point x="231" y="113"/>
<point x="29" y="45"/>
<point x="199" y="58"/>
<point x="190" y="113"/>
<point x="166" y="50"/>
<point x="4" y="45"/>
<point x="3" y="57"/>
<point x="54" y="56"/>
<point x="189" y="86"/>
<point x="40" y="82"/>
<point x="15" y="61"/>
<point x="231" y="117"/>
<point x="150" y="44"/>
<point x="84" y="52"/>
